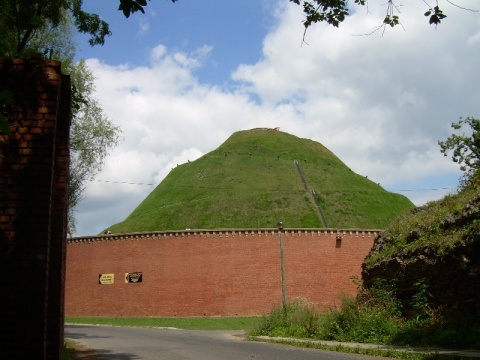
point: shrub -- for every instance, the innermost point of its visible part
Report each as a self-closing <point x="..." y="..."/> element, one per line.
<point x="297" y="319"/>
<point x="360" y="322"/>
<point x="375" y="316"/>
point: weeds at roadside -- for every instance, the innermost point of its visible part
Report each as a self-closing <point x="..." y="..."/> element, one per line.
<point x="375" y="316"/>
<point x="390" y="353"/>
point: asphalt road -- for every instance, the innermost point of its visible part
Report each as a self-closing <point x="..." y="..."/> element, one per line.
<point x="122" y="343"/>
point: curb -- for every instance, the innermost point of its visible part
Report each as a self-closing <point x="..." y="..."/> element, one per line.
<point x="420" y="350"/>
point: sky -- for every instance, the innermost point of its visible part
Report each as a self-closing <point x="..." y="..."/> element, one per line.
<point x="181" y="78"/>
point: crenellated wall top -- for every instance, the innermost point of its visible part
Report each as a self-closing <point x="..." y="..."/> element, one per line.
<point x="226" y="233"/>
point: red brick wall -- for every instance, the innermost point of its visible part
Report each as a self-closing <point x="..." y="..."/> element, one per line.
<point x="34" y="162"/>
<point x="210" y="273"/>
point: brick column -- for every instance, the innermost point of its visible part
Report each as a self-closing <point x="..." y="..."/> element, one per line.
<point x="33" y="188"/>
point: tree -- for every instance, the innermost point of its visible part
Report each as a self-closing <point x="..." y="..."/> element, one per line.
<point x="27" y="17"/>
<point x="332" y="12"/>
<point x="22" y="20"/>
<point x="92" y="136"/>
<point x="465" y="148"/>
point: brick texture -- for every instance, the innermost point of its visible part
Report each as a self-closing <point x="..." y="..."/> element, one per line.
<point x="211" y="273"/>
<point x="34" y="162"/>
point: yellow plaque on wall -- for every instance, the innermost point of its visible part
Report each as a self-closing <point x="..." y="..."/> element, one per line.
<point x="106" y="279"/>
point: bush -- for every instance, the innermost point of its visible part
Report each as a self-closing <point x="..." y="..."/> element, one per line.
<point x="451" y="332"/>
<point x="297" y="319"/>
<point x="360" y="322"/>
<point x="374" y="316"/>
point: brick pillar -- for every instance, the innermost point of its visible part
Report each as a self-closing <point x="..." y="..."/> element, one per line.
<point x="33" y="191"/>
<point x="56" y="296"/>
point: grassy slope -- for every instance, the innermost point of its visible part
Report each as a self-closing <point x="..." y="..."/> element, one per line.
<point x="427" y="221"/>
<point x="251" y="181"/>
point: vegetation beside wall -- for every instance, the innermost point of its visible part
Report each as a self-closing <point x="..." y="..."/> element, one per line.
<point x="436" y="246"/>
<point x="420" y="284"/>
<point x="374" y="317"/>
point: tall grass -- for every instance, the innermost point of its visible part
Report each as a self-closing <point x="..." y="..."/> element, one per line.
<point x="296" y="319"/>
<point x="428" y="222"/>
<point x="376" y="317"/>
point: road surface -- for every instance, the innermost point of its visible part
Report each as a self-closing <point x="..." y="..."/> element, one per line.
<point x="124" y="343"/>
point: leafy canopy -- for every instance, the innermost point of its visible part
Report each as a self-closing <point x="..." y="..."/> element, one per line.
<point x="131" y="6"/>
<point x="465" y="148"/>
<point x="27" y="17"/>
<point x="332" y="12"/>
<point x="92" y="136"/>
<point x="26" y="25"/>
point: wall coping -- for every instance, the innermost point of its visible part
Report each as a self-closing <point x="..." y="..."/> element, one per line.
<point x="223" y="233"/>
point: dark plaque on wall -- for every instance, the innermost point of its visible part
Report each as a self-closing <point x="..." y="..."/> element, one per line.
<point x="134" y="277"/>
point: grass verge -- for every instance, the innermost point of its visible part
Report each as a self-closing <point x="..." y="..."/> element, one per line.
<point x="298" y="312"/>
<point x="390" y="353"/>
<point x="196" y="323"/>
<point x="373" y="318"/>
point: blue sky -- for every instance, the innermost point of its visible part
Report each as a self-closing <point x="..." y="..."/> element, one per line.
<point x="234" y="29"/>
<point x="183" y="77"/>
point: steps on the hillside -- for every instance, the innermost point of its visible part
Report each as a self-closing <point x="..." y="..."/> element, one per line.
<point x="314" y="195"/>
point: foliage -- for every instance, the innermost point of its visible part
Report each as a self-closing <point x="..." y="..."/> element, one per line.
<point x="375" y="351"/>
<point x="22" y="19"/>
<point x="356" y="321"/>
<point x="131" y="6"/>
<point x="421" y="300"/>
<point x="298" y="319"/>
<point x="427" y="227"/>
<point x="92" y="135"/>
<point x="359" y="322"/>
<point x="253" y="326"/>
<point x="87" y="23"/>
<point x="374" y="316"/>
<point x="332" y="12"/>
<point x="465" y="148"/>
<point x="380" y="295"/>
<point x="255" y="171"/>
<point x="51" y="32"/>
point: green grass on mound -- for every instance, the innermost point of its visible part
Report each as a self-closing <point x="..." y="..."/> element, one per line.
<point x="251" y="181"/>
<point x="427" y="221"/>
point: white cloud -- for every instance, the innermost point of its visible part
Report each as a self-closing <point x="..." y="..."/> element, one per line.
<point x="143" y="26"/>
<point x="379" y="103"/>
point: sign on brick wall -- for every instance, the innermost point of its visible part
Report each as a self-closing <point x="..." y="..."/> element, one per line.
<point x="106" y="279"/>
<point x="135" y="277"/>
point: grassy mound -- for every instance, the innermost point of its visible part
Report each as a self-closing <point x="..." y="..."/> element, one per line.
<point x="258" y="177"/>
<point x="438" y="226"/>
